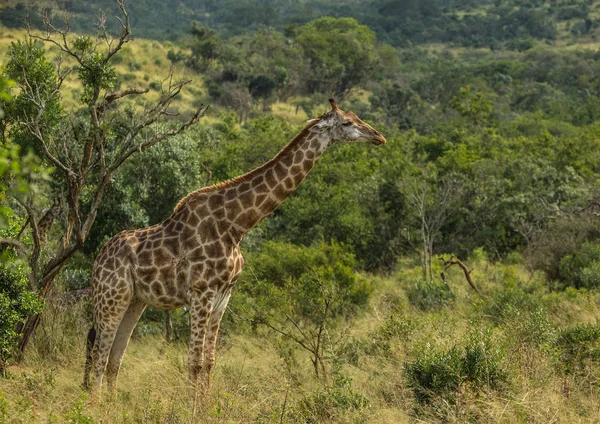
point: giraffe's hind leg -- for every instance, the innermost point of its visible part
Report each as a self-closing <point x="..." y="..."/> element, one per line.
<point x="130" y="319"/>
<point x="109" y="311"/>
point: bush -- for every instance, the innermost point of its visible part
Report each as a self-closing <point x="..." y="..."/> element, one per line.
<point x="327" y="404"/>
<point x="440" y="375"/>
<point x="579" y="347"/>
<point x="582" y="268"/>
<point x="429" y="295"/>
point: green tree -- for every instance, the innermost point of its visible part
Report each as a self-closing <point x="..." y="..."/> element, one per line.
<point x="341" y="54"/>
<point x="87" y="146"/>
<point x="303" y="293"/>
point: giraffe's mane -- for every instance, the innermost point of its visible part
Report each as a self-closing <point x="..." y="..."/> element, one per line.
<point x="250" y="174"/>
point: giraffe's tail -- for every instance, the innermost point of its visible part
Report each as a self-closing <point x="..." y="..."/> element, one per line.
<point x="89" y="347"/>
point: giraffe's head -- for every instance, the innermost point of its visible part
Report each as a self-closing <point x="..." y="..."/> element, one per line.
<point x="339" y="125"/>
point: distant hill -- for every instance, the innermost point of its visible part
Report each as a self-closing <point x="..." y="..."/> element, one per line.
<point x="472" y="23"/>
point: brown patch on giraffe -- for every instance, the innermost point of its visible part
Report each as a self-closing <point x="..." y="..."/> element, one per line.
<point x="306" y="166"/>
<point x="202" y="211"/>
<point x="166" y="274"/>
<point x="196" y="254"/>
<point x="300" y="156"/>
<point x="270" y="178"/>
<point x="247" y="199"/>
<point x="187" y="233"/>
<point x="259" y="199"/>
<point x="279" y="192"/>
<point x="172" y="245"/>
<point x="193" y="220"/>
<point x="296" y="169"/>
<point x="170" y="288"/>
<point x="208" y="230"/>
<point x="298" y="179"/>
<point x="288" y="159"/>
<point x="248" y="218"/>
<point x="244" y="187"/>
<point x="219" y="213"/>
<point x="281" y="171"/>
<point x="156" y="288"/>
<point x="214" y="250"/>
<point x="288" y="183"/>
<point x="215" y="201"/>
<point x="221" y="266"/>
<point x="189" y="244"/>
<point x="257" y="181"/>
<point x="161" y="257"/>
<point x="196" y="271"/>
<point x="268" y="206"/>
<point x="261" y="189"/>
<point x="233" y="209"/>
<point x="223" y="226"/>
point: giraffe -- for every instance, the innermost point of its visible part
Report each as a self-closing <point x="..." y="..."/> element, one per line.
<point x="193" y="258"/>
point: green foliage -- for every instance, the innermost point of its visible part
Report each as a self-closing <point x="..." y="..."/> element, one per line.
<point x="429" y="295"/>
<point x="95" y="74"/>
<point x="331" y="402"/>
<point x="341" y="53"/>
<point x="16" y="300"/>
<point x="472" y="106"/>
<point x="579" y="348"/>
<point x="77" y="415"/>
<point x="437" y="375"/>
<point x="28" y="65"/>
<point x="314" y="283"/>
<point x="303" y="294"/>
<point x="581" y="269"/>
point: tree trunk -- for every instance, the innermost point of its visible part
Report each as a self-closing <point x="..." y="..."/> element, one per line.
<point x="168" y="326"/>
<point x="34" y="320"/>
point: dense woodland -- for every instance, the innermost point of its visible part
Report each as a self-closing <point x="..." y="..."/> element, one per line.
<point x="451" y="275"/>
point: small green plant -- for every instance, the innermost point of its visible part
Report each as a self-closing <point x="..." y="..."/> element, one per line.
<point x="327" y="404"/>
<point x="76" y="414"/>
<point x="429" y="295"/>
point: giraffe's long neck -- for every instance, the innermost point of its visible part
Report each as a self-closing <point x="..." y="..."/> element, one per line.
<point x="229" y="210"/>
<point x="252" y="197"/>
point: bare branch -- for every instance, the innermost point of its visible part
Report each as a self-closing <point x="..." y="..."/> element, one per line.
<point x="125" y="32"/>
<point x="35" y="254"/>
<point x="19" y="247"/>
<point x="156" y="139"/>
<point x="453" y="260"/>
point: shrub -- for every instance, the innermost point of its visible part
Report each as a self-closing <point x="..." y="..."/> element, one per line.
<point x="429" y="295"/>
<point x="579" y="346"/>
<point x="440" y="375"/>
<point x="327" y="404"/>
<point x="582" y="268"/>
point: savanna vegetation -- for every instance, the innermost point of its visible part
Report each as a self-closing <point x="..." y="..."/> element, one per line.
<point x="452" y="275"/>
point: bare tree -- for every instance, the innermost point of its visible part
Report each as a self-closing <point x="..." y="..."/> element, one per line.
<point x="87" y="147"/>
<point x="432" y="197"/>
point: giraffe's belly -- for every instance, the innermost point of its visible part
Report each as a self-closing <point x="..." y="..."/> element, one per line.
<point x="165" y="288"/>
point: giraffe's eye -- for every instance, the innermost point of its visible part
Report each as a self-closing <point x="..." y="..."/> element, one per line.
<point x="347" y="123"/>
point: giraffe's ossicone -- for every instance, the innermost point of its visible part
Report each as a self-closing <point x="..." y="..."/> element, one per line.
<point x="193" y="257"/>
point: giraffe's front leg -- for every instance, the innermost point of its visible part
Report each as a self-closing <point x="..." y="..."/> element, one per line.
<point x="200" y="310"/>
<point x="220" y="304"/>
